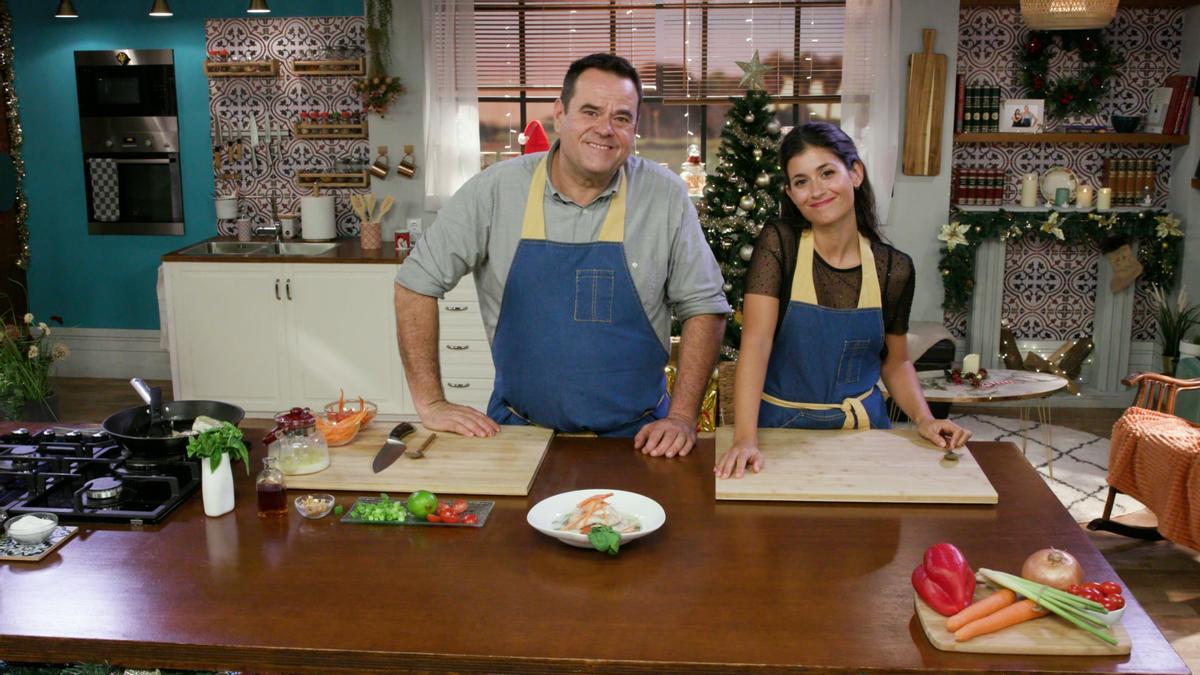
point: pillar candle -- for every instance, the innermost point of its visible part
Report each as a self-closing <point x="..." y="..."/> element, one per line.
<point x="1083" y="197"/>
<point x="1029" y="189"/>
<point x="1104" y="199"/>
<point x="970" y="364"/>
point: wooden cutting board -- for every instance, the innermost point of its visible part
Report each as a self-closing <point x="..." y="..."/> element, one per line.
<point x="504" y="464"/>
<point x="1047" y="635"/>
<point x="873" y="465"/>
<point x="923" y="110"/>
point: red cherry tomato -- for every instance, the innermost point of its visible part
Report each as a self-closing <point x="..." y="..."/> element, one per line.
<point x="470" y="519"/>
<point x="451" y="518"/>
<point x="1113" y="602"/>
<point x="1074" y="589"/>
<point x="433" y="518"/>
<point x="1093" y="594"/>
<point x="1093" y="584"/>
<point x="1110" y="588"/>
<point x="459" y="505"/>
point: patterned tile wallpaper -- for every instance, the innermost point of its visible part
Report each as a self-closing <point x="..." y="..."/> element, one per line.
<point x="1049" y="291"/>
<point x="232" y="100"/>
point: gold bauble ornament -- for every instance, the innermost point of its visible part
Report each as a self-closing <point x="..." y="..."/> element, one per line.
<point x="773" y="126"/>
<point x="749" y="118"/>
<point x="757" y="153"/>
<point x="763" y="180"/>
<point x="746" y="252"/>
<point x="727" y="287"/>
<point x="747" y="202"/>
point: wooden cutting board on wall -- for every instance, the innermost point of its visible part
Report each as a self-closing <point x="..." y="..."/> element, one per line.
<point x="504" y="464"/>
<point x="873" y="465"/>
<point x="923" y="110"/>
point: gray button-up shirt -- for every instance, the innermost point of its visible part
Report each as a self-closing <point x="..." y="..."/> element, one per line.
<point x="479" y="229"/>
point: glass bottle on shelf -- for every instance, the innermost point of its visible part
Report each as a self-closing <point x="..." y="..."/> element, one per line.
<point x="692" y="172"/>
<point x="271" y="489"/>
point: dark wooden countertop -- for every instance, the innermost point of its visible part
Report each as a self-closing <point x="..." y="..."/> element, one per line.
<point x="765" y="587"/>
<point x="348" y="251"/>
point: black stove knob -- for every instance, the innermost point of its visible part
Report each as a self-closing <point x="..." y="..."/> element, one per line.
<point x="21" y="433"/>
<point x="74" y="435"/>
<point x="100" y="436"/>
<point x="48" y="434"/>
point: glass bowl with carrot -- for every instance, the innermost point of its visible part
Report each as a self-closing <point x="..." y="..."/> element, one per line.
<point x="344" y="418"/>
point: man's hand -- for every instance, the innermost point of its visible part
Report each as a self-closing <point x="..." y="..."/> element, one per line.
<point x="670" y="437"/>
<point x="460" y="419"/>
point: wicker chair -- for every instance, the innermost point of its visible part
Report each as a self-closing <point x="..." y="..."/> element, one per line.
<point x="1155" y="392"/>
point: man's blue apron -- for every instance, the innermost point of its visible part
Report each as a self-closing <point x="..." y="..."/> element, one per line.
<point x="825" y="362"/>
<point x="574" y="350"/>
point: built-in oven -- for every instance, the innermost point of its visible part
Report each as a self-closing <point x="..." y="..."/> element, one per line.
<point x="131" y="175"/>
<point x="126" y="83"/>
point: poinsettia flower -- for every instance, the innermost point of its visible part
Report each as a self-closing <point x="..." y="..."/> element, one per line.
<point x="1051" y="226"/>
<point x="954" y="234"/>
<point x="1168" y="226"/>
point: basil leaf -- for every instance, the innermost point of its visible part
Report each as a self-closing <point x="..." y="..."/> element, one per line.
<point x="605" y="539"/>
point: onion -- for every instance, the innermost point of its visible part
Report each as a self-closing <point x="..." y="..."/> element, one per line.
<point x="1052" y="567"/>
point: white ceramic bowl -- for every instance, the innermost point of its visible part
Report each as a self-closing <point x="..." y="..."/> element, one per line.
<point x="546" y="512"/>
<point x="35" y="536"/>
<point x="1108" y="619"/>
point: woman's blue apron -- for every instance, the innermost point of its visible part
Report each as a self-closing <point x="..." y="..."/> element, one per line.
<point x="573" y="349"/>
<point x="825" y="362"/>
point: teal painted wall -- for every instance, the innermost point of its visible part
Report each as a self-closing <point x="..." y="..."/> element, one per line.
<point x="108" y="281"/>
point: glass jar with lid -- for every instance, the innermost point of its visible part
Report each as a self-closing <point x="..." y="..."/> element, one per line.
<point x="693" y="173"/>
<point x="270" y="486"/>
<point x="301" y="447"/>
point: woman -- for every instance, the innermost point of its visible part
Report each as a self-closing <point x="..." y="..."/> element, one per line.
<point x="813" y="359"/>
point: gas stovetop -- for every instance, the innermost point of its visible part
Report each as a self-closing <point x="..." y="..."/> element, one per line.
<point x="85" y="476"/>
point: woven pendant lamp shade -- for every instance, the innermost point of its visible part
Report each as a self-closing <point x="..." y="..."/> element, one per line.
<point x="1068" y="14"/>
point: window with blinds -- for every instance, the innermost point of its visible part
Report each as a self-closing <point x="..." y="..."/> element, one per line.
<point x="684" y="50"/>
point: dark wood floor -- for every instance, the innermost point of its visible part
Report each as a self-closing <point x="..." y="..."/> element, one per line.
<point x="1164" y="577"/>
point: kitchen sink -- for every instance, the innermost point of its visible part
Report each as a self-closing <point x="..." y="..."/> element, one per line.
<point x="305" y="248"/>
<point x="259" y="248"/>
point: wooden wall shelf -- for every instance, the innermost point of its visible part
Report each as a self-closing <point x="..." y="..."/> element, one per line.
<point x="1060" y="137"/>
<point x="268" y="68"/>
<point x="330" y="131"/>
<point x="329" y="68"/>
<point x="334" y="180"/>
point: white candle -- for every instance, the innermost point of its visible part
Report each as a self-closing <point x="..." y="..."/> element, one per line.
<point x="970" y="364"/>
<point x="1083" y="197"/>
<point x="1029" y="189"/>
<point x="1104" y="199"/>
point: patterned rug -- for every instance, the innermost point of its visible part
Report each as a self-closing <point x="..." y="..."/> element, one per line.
<point x="1080" y="461"/>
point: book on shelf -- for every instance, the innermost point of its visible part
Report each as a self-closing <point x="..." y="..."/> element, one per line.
<point x="1160" y="103"/>
<point x="1180" y="91"/>
<point x="959" y="101"/>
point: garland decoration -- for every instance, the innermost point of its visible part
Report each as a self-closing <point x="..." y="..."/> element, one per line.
<point x="15" y="136"/>
<point x="1158" y="232"/>
<point x="378" y="89"/>
<point x="1068" y="95"/>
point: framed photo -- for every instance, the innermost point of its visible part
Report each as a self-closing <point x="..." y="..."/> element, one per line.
<point x="1022" y="115"/>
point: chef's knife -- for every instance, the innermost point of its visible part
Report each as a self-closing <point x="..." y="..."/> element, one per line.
<point x="270" y="138"/>
<point x="254" y="141"/>
<point x="393" y="447"/>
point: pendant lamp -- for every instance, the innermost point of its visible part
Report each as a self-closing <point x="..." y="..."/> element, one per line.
<point x="258" y="7"/>
<point x="66" y="10"/>
<point x="1068" y="14"/>
<point x="161" y="8"/>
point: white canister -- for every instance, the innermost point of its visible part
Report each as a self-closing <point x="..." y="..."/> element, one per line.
<point x="288" y="223"/>
<point x="1029" y="190"/>
<point x="227" y="208"/>
<point x="216" y="487"/>
<point x="316" y="218"/>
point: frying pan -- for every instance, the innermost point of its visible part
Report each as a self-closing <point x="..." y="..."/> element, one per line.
<point x="150" y="437"/>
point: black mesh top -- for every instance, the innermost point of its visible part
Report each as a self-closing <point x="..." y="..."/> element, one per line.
<point x="774" y="264"/>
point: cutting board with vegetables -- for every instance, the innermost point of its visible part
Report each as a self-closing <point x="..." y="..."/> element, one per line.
<point x="923" y="110"/>
<point x="504" y="464"/>
<point x="873" y="465"/>
<point x="1047" y="635"/>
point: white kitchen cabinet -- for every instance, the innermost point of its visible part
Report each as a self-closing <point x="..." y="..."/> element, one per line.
<point x="267" y="336"/>
<point x="466" y="356"/>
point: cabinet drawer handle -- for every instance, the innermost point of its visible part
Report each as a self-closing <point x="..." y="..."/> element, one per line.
<point x="456" y="308"/>
<point x="277" y="290"/>
<point x="458" y="385"/>
<point x="288" y="285"/>
<point x="458" y="348"/>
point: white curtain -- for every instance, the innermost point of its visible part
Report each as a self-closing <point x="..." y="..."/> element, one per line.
<point x="451" y="99"/>
<point x="871" y="91"/>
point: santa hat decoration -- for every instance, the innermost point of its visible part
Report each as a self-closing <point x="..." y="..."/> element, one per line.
<point x="533" y="138"/>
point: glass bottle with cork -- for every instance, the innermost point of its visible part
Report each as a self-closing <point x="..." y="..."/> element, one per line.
<point x="271" y="490"/>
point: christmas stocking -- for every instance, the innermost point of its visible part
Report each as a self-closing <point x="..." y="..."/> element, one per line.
<point x="1125" y="264"/>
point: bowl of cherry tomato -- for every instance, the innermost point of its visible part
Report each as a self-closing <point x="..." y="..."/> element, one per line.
<point x="1107" y="593"/>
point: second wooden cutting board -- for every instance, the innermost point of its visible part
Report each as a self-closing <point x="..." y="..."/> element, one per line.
<point x="923" y="110"/>
<point x="504" y="464"/>
<point x="873" y="465"/>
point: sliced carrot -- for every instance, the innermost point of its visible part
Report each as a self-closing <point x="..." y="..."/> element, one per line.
<point x="996" y="601"/>
<point x="1012" y="615"/>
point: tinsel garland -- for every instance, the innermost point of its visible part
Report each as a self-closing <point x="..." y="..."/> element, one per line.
<point x="1067" y="95"/>
<point x="8" y="90"/>
<point x="1157" y="233"/>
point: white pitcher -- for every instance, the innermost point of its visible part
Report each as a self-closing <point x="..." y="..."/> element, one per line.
<point x="217" y="486"/>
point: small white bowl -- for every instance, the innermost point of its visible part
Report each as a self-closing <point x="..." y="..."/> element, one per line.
<point x="1107" y="619"/>
<point x="546" y="512"/>
<point x="34" y="537"/>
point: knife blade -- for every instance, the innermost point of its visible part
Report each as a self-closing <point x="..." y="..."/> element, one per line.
<point x="254" y="141"/>
<point x="393" y="447"/>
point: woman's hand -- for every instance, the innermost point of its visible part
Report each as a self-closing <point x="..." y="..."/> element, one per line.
<point x="735" y="460"/>
<point x="943" y="433"/>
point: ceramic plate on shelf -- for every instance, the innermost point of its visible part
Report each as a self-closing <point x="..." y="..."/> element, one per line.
<point x="1059" y="176"/>
<point x="548" y="515"/>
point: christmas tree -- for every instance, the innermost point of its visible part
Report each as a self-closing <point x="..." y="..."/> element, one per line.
<point x="743" y="194"/>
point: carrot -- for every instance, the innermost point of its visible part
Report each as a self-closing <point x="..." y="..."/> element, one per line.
<point x="996" y="601"/>
<point x="1009" y="616"/>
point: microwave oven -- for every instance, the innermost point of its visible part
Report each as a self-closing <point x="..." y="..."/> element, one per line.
<point x="126" y="83"/>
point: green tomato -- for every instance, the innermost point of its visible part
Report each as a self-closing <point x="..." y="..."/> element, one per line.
<point x="422" y="503"/>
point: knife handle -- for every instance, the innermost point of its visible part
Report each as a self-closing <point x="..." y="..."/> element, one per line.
<point x="401" y="430"/>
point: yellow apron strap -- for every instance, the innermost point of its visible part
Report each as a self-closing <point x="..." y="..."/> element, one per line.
<point x="856" y="412"/>
<point x="803" y="290"/>
<point x="534" y="226"/>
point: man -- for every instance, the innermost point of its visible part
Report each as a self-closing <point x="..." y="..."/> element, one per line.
<point x="579" y="256"/>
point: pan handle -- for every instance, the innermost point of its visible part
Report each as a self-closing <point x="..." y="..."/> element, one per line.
<point x="142" y="389"/>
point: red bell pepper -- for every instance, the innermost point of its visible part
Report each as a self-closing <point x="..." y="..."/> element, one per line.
<point x="944" y="580"/>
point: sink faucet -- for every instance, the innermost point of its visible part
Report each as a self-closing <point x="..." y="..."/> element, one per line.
<point x="275" y="228"/>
